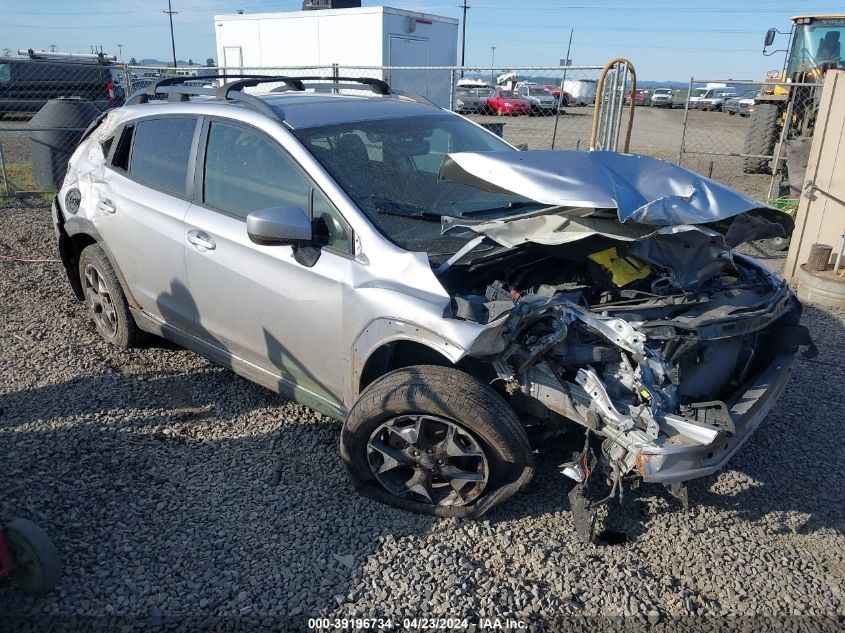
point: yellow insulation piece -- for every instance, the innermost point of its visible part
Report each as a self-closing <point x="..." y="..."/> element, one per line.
<point x="623" y="270"/>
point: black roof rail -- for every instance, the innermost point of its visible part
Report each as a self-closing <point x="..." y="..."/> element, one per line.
<point x="233" y="90"/>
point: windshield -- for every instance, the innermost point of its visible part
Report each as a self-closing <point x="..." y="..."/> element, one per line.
<point x="507" y="94"/>
<point x="390" y="170"/>
<point x="750" y="94"/>
<point x="539" y="92"/>
<point x="699" y="92"/>
<point x="815" y="44"/>
<point x="662" y="91"/>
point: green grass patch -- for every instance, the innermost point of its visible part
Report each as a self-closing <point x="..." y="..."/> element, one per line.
<point x="20" y="178"/>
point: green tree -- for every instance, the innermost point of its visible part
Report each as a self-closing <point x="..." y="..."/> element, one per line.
<point x="133" y="62"/>
<point x="190" y="62"/>
<point x="210" y="62"/>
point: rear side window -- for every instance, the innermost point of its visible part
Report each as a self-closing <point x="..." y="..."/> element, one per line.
<point x="161" y="149"/>
<point x="4" y="73"/>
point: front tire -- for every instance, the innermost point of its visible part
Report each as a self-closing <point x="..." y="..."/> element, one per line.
<point x="106" y="300"/>
<point x="434" y="440"/>
<point x="761" y="137"/>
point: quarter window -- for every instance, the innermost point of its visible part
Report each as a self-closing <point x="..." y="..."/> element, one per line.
<point x="121" y="152"/>
<point x="160" y="152"/>
<point x="245" y="172"/>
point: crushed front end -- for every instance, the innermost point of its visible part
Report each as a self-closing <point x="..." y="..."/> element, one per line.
<point x="670" y="350"/>
<point x="623" y="306"/>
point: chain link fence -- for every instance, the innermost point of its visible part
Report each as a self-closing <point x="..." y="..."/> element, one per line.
<point x="737" y="131"/>
<point x="33" y="147"/>
<point x="554" y="111"/>
<point x="546" y="121"/>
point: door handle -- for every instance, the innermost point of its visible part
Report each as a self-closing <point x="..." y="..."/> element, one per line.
<point x="202" y="240"/>
<point x="107" y="206"/>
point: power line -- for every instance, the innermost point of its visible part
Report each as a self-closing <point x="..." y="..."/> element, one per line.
<point x="617" y="28"/>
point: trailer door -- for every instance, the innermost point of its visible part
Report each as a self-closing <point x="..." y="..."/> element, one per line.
<point x="233" y="58"/>
<point x="408" y="51"/>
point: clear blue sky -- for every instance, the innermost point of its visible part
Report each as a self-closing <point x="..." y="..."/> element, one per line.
<point x="666" y="39"/>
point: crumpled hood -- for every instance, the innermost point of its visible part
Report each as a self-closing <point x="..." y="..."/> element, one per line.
<point x="642" y="189"/>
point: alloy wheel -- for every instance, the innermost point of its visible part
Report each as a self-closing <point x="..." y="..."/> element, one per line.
<point x="428" y="458"/>
<point x="99" y="299"/>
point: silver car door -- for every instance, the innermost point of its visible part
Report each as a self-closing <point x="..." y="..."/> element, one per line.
<point x="140" y="211"/>
<point x="257" y="302"/>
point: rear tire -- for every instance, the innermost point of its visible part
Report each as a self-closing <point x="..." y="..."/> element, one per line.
<point x="106" y="300"/>
<point x="397" y="448"/>
<point x="761" y="137"/>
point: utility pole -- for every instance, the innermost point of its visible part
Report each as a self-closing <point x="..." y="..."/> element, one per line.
<point x="120" y="48"/>
<point x="492" y="64"/>
<point x="53" y="48"/>
<point x="562" y="84"/>
<point x="170" y="13"/>
<point x="464" y="6"/>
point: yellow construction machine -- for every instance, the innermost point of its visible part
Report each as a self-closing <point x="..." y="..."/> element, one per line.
<point x="814" y="48"/>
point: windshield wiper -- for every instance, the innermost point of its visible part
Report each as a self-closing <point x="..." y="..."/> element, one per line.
<point x="392" y="207"/>
<point x="510" y="206"/>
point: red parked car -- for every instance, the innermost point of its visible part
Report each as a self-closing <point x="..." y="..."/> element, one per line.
<point x="639" y="97"/>
<point x="555" y="90"/>
<point x="503" y="102"/>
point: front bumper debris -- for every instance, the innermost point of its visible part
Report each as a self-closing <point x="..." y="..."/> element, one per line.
<point x="674" y="461"/>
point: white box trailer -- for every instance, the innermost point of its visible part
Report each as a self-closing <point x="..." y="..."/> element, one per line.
<point x="360" y="37"/>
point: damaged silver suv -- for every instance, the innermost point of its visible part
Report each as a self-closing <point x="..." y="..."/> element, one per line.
<point x="444" y="295"/>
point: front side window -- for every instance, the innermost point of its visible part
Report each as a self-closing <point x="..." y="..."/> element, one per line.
<point x="245" y="172"/>
<point x="161" y="149"/>
<point x="390" y="170"/>
<point x="4" y="73"/>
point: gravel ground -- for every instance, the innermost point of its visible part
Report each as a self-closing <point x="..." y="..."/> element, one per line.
<point x="150" y="470"/>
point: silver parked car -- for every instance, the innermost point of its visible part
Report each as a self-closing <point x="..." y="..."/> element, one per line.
<point x="442" y="294"/>
<point x="743" y="104"/>
<point x="471" y="100"/>
<point x="540" y="99"/>
<point x="714" y="98"/>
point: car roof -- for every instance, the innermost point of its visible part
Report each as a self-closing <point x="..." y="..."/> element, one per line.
<point x="301" y="110"/>
<point x="309" y="109"/>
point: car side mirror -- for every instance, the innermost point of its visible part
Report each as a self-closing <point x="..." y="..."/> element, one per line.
<point x="279" y="226"/>
<point x="770" y="38"/>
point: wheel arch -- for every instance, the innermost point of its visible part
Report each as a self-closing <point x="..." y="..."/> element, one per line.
<point x="388" y="344"/>
<point x="76" y="234"/>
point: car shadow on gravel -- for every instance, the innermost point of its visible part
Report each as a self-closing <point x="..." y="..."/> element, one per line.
<point x="186" y="493"/>
<point x="156" y="490"/>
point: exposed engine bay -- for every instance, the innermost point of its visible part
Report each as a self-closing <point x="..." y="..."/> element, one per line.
<point x="645" y="343"/>
<point x="622" y="306"/>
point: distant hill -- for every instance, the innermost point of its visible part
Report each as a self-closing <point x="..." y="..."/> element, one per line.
<point x="157" y="62"/>
<point x="662" y="84"/>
